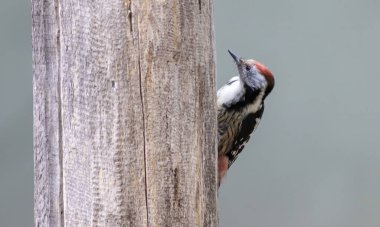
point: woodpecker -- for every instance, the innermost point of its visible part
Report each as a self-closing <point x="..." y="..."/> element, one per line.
<point x="240" y="105"/>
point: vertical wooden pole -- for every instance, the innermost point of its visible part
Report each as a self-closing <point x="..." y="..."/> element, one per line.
<point x="124" y="113"/>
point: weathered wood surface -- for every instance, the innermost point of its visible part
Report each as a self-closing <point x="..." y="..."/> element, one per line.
<point x="124" y="113"/>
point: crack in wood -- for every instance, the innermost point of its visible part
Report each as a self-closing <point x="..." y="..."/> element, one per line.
<point x="144" y="126"/>
<point x="129" y="11"/>
<point x="60" y="115"/>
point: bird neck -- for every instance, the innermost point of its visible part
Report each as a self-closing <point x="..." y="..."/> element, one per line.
<point x="251" y="93"/>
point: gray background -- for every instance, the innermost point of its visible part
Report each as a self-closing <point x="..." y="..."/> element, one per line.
<point x="314" y="160"/>
<point x="16" y="119"/>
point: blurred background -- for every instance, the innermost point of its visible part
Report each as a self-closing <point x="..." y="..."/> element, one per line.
<point x="315" y="158"/>
<point x="16" y="115"/>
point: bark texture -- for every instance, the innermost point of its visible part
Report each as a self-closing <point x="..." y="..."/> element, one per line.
<point x="124" y="113"/>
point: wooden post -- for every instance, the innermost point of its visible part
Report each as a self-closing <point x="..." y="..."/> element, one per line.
<point x="124" y="113"/>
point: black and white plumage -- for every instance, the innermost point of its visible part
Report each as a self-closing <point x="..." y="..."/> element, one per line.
<point x="240" y="107"/>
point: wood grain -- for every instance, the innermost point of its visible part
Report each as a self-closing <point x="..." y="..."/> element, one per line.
<point x="47" y="112"/>
<point x="124" y="113"/>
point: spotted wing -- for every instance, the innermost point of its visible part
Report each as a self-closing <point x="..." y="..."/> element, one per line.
<point x="247" y="127"/>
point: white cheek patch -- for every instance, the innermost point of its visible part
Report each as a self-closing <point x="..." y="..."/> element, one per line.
<point x="257" y="81"/>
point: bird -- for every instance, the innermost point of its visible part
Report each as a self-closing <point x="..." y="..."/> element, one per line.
<point x="240" y="104"/>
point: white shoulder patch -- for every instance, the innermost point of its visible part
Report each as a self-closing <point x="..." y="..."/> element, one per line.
<point x="230" y="91"/>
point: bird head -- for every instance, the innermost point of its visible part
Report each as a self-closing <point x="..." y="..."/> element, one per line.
<point x="254" y="74"/>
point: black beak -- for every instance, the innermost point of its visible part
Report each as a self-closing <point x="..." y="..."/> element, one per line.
<point x="236" y="58"/>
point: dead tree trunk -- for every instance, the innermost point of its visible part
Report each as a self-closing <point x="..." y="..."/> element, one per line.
<point x="124" y="113"/>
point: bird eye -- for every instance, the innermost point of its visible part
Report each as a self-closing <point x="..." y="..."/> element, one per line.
<point x="247" y="67"/>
